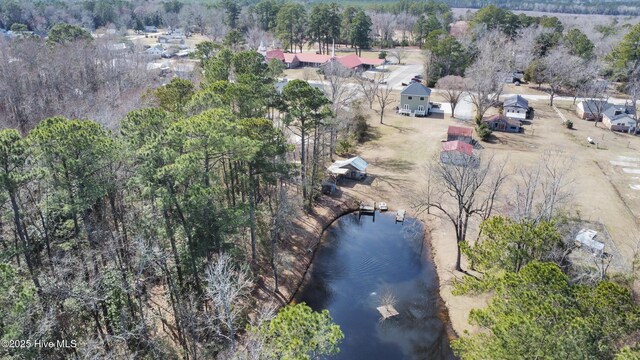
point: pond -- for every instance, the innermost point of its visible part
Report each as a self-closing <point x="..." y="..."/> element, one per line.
<point x="363" y="263"/>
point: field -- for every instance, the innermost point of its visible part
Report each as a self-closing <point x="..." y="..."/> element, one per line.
<point x="605" y="181"/>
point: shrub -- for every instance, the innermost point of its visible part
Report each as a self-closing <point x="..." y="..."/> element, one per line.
<point x="484" y="133"/>
<point x="568" y="124"/>
<point x="361" y="128"/>
<point x="345" y="146"/>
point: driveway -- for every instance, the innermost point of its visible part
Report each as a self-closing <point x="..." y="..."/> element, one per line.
<point x="400" y="74"/>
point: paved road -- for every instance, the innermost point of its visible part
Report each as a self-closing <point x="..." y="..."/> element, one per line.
<point x="465" y="109"/>
<point x="562" y="98"/>
<point x="403" y="74"/>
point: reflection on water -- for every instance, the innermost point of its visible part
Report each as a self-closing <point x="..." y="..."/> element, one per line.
<point x="361" y="261"/>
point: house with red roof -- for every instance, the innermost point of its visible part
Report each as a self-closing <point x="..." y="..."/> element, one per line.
<point x="354" y="62"/>
<point x="294" y="60"/>
<point x="461" y="133"/>
<point x="458" y="153"/>
<point x="274" y="54"/>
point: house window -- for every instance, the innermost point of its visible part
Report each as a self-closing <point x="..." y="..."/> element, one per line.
<point x="410" y="97"/>
<point x="421" y="98"/>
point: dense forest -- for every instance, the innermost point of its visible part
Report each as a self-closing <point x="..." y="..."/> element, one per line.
<point x="109" y="225"/>
<point x="615" y="7"/>
<point x="140" y="215"/>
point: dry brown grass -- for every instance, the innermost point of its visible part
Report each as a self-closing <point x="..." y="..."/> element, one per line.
<point x="402" y="146"/>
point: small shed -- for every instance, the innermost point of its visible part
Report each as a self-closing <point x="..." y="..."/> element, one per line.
<point x="503" y="123"/>
<point x="458" y="153"/>
<point x="353" y="168"/>
<point x="414" y="100"/>
<point x="516" y="107"/>
<point x="589" y="109"/>
<point x="460" y="133"/>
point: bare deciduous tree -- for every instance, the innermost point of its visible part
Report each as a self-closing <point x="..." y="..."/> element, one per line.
<point x="398" y="53"/>
<point x="383" y="96"/>
<point x="256" y="36"/>
<point x="522" y="48"/>
<point x="405" y="23"/>
<point x="216" y="26"/>
<point x="383" y="25"/>
<point x="254" y="345"/>
<point x="369" y="88"/>
<point x="78" y="80"/>
<point x="227" y="287"/>
<point x="282" y="211"/>
<point x="485" y="78"/>
<point x="596" y="95"/>
<point x="339" y="90"/>
<point x="453" y="88"/>
<point x="541" y="189"/>
<point x="560" y="67"/>
<point x="584" y="73"/>
<point x="461" y="192"/>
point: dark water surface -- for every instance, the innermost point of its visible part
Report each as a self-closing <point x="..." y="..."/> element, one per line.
<point x="359" y="263"/>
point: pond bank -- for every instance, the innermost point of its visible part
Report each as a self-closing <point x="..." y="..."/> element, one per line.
<point x="366" y="262"/>
<point x="299" y="247"/>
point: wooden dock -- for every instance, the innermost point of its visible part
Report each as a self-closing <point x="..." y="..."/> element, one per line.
<point x="367" y="209"/>
<point x="400" y="215"/>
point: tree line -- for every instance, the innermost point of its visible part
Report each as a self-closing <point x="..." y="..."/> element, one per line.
<point x="68" y="74"/>
<point x="147" y="241"/>
<point x="618" y="7"/>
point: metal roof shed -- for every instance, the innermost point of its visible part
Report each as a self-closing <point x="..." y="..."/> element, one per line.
<point x="357" y="162"/>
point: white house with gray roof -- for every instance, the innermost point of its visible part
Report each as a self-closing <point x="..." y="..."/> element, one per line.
<point x="414" y="100"/>
<point x="516" y="107"/>
<point x="619" y="118"/>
